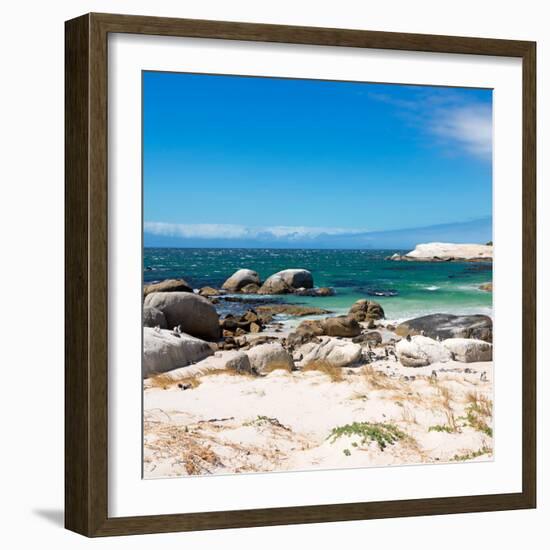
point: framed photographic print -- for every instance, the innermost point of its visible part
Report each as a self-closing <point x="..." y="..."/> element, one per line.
<point x="300" y="275"/>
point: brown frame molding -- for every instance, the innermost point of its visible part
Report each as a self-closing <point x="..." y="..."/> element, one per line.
<point x="86" y="284"/>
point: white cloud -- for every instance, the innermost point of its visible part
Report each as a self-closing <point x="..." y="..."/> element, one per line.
<point x="235" y="231"/>
<point x="471" y="127"/>
<point x="449" y="116"/>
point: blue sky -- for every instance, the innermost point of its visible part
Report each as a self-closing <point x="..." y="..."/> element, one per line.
<point x="245" y="161"/>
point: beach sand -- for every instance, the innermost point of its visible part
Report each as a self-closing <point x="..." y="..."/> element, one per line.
<point x="374" y="414"/>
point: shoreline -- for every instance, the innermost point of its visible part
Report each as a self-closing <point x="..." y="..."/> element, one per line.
<point x="282" y="375"/>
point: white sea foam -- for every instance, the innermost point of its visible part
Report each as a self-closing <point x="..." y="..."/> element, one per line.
<point x="433" y="287"/>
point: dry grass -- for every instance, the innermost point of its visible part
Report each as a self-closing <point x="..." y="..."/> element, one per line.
<point x="165" y="381"/>
<point x="442" y="403"/>
<point x="228" y="372"/>
<point x="277" y="366"/>
<point x="480" y="403"/>
<point x="199" y="458"/>
<point x="334" y="373"/>
<point x="378" y="380"/>
<point x="407" y="415"/>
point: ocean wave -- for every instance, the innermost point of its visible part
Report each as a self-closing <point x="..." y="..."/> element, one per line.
<point x="432" y="287"/>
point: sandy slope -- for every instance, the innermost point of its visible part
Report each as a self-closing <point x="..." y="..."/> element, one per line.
<point x="232" y="423"/>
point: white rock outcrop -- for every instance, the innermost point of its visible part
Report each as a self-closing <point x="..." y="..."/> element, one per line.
<point x="267" y="357"/>
<point x="421" y="351"/>
<point x="433" y="252"/>
<point x="165" y="351"/>
<point x="469" y="350"/>
<point x="337" y="353"/>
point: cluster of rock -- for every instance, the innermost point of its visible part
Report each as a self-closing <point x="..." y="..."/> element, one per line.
<point x="343" y="326"/>
<point x="420" y="351"/>
<point x="447" y="252"/>
<point x="182" y="328"/>
<point x="249" y="321"/>
<point x="288" y="281"/>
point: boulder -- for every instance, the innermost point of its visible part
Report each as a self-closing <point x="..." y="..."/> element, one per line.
<point x="421" y="351"/>
<point x="164" y="350"/>
<point x="251" y="288"/>
<point x="299" y="337"/>
<point x="442" y="326"/>
<point x="239" y="362"/>
<point x="153" y="317"/>
<point x="241" y="278"/>
<point x="267" y="357"/>
<point x="337" y="353"/>
<point x="344" y="326"/>
<point x="194" y="314"/>
<point x="323" y="291"/>
<point x="208" y="291"/>
<point x="169" y="285"/>
<point x="469" y="350"/>
<point x="286" y="281"/>
<point x="365" y="310"/>
<point x="487" y="287"/>
<point x="373" y="337"/>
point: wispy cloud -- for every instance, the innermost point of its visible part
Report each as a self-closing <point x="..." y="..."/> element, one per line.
<point x="235" y="231"/>
<point x="471" y="127"/>
<point x="456" y="121"/>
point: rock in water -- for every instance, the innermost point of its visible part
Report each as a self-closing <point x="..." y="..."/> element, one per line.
<point x="487" y="287"/>
<point x="443" y="326"/>
<point x="250" y="288"/>
<point x="169" y="285"/>
<point x="344" y="326"/>
<point x="153" y="317"/>
<point x="337" y="353"/>
<point x="240" y="279"/>
<point x="469" y="350"/>
<point x="287" y="281"/>
<point x="267" y="357"/>
<point x="207" y="291"/>
<point x="445" y="252"/>
<point x="421" y="351"/>
<point x="364" y="310"/>
<point x="164" y="351"/>
<point x="194" y="314"/>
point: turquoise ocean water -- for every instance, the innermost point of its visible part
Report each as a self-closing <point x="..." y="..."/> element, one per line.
<point x="419" y="288"/>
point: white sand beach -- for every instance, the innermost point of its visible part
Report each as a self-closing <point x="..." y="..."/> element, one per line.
<point x="226" y="422"/>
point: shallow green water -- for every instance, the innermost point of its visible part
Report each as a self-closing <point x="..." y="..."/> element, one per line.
<point x="421" y="287"/>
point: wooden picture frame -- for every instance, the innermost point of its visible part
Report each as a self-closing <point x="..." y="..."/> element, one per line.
<point x="86" y="283"/>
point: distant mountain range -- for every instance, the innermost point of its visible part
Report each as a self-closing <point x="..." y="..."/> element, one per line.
<point x="235" y="236"/>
